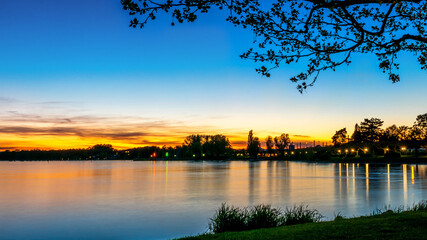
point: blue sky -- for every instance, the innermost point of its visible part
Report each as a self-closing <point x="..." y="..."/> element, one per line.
<point x="80" y="60"/>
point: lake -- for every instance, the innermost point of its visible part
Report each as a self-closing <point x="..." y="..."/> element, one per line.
<point x="167" y="199"/>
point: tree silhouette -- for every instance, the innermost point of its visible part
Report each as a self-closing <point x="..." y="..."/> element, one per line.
<point x="357" y="135"/>
<point x="324" y="34"/>
<point x="216" y="146"/>
<point x="194" y="145"/>
<point x="102" y="151"/>
<point x="253" y="145"/>
<point x="403" y="132"/>
<point x="391" y="134"/>
<point x="340" y="137"/>
<point x="269" y="144"/>
<point x="282" y="142"/>
<point x="415" y="138"/>
<point x="421" y="122"/>
<point x="371" y="129"/>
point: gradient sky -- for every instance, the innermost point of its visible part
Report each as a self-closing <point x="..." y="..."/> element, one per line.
<point x="73" y="74"/>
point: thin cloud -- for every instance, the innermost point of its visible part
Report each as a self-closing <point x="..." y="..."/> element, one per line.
<point x="301" y="136"/>
<point x="7" y="100"/>
<point x="128" y="129"/>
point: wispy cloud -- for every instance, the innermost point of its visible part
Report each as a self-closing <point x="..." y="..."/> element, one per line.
<point x="7" y="100"/>
<point x="301" y="136"/>
<point x="127" y="129"/>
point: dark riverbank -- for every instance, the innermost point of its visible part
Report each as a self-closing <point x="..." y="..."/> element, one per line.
<point x="378" y="160"/>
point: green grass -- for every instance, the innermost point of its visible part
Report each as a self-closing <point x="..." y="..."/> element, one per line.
<point x="387" y="226"/>
<point x="232" y="219"/>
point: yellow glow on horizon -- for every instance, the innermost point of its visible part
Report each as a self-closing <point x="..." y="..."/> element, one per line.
<point x="53" y="142"/>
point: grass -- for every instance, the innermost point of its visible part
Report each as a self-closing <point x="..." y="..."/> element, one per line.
<point x="300" y="214"/>
<point x="230" y="218"/>
<point x="387" y="224"/>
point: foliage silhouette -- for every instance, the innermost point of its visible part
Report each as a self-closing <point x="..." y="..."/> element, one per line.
<point x="269" y="144"/>
<point x="339" y="137"/>
<point x="370" y="129"/>
<point x="281" y="143"/>
<point x="369" y="136"/>
<point x="101" y="151"/>
<point x="368" y="141"/>
<point x="254" y="145"/>
<point x="324" y="34"/>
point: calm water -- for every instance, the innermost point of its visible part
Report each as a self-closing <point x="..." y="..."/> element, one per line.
<point x="161" y="200"/>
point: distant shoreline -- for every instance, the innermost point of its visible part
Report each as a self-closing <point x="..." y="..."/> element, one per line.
<point x="407" y="160"/>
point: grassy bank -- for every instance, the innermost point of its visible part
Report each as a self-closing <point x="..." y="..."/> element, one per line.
<point x="389" y="225"/>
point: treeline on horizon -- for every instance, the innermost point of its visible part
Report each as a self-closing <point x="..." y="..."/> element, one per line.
<point x="368" y="140"/>
<point x="195" y="146"/>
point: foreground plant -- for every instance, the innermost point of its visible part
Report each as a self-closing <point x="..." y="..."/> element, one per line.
<point x="230" y="218"/>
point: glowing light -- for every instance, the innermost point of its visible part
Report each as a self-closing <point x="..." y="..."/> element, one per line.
<point x="154" y="154"/>
<point x="403" y="148"/>
<point x="167" y="154"/>
<point x="292" y="153"/>
<point x="365" y="150"/>
<point x="346" y="150"/>
<point x="194" y="155"/>
<point x="352" y="150"/>
<point x="339" y="151"/>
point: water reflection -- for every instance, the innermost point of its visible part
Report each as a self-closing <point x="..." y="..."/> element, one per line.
<point x="405" y="184"/>
<point x="125" y="199"/>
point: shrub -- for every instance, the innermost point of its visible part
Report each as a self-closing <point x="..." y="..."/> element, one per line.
<point x="228" y="218"/>
<point x="388" y="209"/>
<point x="300" y="214"/>
<point x="263" y="216"/>
<point x="338" y="216"/>
<point x="421" y="206"/>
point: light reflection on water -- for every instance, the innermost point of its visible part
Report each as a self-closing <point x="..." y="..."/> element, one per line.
<point x="160" y="200"/>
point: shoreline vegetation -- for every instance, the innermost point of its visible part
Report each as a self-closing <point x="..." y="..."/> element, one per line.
<point x="310" y="155"/>
<point x="300" y="222"/>
<point x="369" y="143"/>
